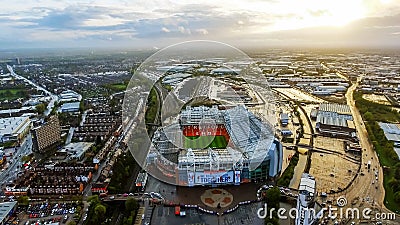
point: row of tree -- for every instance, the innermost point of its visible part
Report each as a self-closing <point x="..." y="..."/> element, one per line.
<point x="372" y="113"/>
<point x="286" y="177"/>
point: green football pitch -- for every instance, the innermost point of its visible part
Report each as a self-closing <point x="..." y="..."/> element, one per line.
<point x="202" y="142"/>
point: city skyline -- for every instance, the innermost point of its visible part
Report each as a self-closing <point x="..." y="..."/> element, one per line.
<point x="156" y="24"/>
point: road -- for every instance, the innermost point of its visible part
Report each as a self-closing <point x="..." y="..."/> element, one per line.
<point x="307" y="129"/>
<point x="363" y="188"/>
<point x="84" y="114"/>
<point x="12" y="170"/>
<point x="53" y="97"/>
<point x="70" y="135"/>
<point x="369" y="192"/>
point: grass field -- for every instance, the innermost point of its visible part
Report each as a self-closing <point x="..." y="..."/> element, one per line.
<point x="11" y="94"/>
<point x="205" y="142"/>
<point x="117" y="87"/>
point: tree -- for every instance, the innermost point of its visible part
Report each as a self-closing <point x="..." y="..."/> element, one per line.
<point x="71" y="223"/>
<point x="23" y="200"/>
<point x="40" y="108"/>
<point x="25" y="158"/>
<point x="394" y="184"/>
<point x="397" y="197"/>
<point x="94" y="149"/>
<point x="81" y="106"/>
<point x="397" y="171"/>
<point x="94" y="200"/>
<point x="273" y="196"/>
<point x="368" y="116"/>
<point x="131" y="204"/>
<point x="99" y="213"/>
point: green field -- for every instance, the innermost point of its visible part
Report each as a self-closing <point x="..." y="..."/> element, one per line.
<point x="117" y="87"/>
<point x="205" y="142"/>
<point x="11" y="94"/>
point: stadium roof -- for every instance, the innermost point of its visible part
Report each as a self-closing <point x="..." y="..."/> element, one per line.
<point x="195" y="115"/>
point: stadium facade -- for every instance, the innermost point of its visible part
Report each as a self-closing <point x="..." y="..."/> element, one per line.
<point x="209" y="146"/>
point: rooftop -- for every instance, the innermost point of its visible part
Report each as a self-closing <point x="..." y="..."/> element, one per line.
<point x="5" y="209"/>
<point x="12" y="125"/>
<point x="70" y="106"/>
<point x="76" y="149"/>
<point x="337" y="108"/>
<point x="307" y="183"/>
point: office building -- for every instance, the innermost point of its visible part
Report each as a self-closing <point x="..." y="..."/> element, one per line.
<point x="46" y="135"/>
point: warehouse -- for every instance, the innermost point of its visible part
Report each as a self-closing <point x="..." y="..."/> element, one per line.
<point x="70" y="107"/>
<point x="335" y="120"/>
<point x="14" y="128"/>
<point x="392" y="133"/>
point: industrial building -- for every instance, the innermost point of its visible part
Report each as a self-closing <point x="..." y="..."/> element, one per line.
<point x="335" y="120"/>
<point x="225" y="71"/>
<point x="70" y="107"/>
<point x="69" y="96"/>
<point x="46" y="135"/>
<point x="392" y="133"/>
<point x="14" y="128"/>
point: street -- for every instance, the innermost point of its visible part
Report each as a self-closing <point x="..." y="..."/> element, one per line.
<point x="362" y="187"/>
<point x="12" y="170"/>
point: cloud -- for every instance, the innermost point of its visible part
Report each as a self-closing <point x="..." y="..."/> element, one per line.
<point x="202" y="31"/>
<point x="166" y="30"/>
<point x="368" y="32"/>
<point x="184" y="30"/>
<point x="254" y="21"/>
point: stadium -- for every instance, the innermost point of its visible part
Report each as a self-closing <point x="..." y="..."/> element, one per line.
<point x="211" y="146"/>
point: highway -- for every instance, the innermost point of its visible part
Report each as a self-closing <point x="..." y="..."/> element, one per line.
<point x="53" y="97"/>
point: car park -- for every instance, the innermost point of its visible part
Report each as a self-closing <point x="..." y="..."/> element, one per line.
<point x="43" y="210"/>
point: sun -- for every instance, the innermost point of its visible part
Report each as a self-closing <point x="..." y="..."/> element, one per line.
<point x="322" y="13"/>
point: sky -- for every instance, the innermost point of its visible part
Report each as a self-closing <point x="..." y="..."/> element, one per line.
<point x="158" y="23"/>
